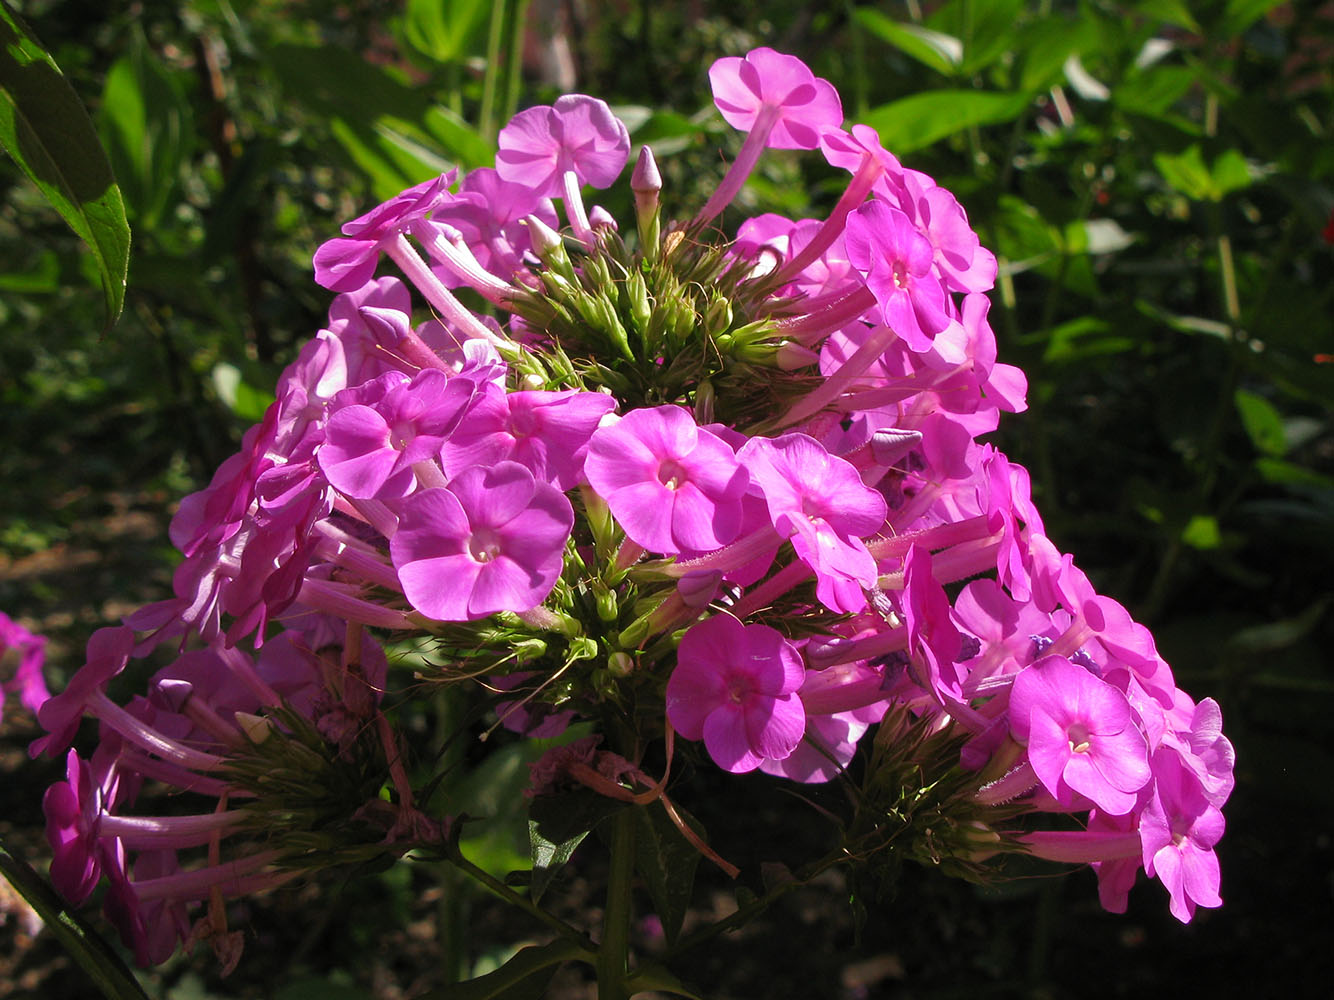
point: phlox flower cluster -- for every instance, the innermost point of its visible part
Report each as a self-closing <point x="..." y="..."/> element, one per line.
<point x="664" y="481"/>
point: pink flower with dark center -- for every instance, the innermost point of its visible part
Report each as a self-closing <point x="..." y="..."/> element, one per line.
<point x="734" y="687"/>
<point x="896" y="260"/>
<point x="494" y="540"/>
<point x="670" y="484"/>
<point x="1081" y="735"/>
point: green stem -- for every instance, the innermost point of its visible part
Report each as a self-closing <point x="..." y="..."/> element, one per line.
<point x="613" y="950"/>
<point x="487" y="115"/>
<point x="514" y="63"/>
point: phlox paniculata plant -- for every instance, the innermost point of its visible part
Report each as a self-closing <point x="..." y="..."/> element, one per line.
<point x="709" y="493"/>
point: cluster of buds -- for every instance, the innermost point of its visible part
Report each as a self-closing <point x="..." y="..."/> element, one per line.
<point x="668" y="482"/>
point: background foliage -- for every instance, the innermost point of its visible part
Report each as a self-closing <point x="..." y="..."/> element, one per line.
<point x="1157" y="179"/>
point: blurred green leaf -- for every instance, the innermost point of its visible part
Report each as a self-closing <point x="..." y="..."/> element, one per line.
<point x="1152" y="91"/>
<point x="1186" y="173"/>
<point x="1241" y="14"/>
<point x="145" y="123"/>
<point x="43" y="277"/>
<point x="45" y="128"/>
<point x="458" y="139"/>
<point x="1274" y="636"/>
<point x="83" y="944"/>
<point x="1175" y="12"/>
<point x="443" y="30"/>
<point x="1230" y="173"/>
<point x="988" y="32"/>
<point x="1264" y="425"/>
<point x="915" y="122"/>
<point x="1084" y="337"/>
<point x="1201" y="532"/>
<point x="1043" y="46"/>
<point x="1290" y="474"/>
<point x="941" y="52"/>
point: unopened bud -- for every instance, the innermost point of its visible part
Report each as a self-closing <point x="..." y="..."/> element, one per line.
<point x="256" y="729"/>
<point x="646" y="182"/>
<point x="620" y="664"/>
<point x="645" y="179"/>
<point x="582" y="648"/>
<point x="718" y="316"/>
<point x="791" y="356"/>
<point x="608" y="610"/>
<point x="600" y="218"/>
<point x="635" y="634"/>
<point x="526" y="650"/>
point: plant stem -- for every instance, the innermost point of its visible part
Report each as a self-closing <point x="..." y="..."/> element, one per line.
<point x="487" y="114"/>
<point x="614" y="947"/>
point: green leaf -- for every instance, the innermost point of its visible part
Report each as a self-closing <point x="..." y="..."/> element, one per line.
<point x="667" y="861"/>
<point x="443" y="29"/>
<point x="92" y="953"/>
<point x="523" y="977"/>
<point x="1082" y="338"/>
<point x="1264" y="425"/>
<point x="556" y="826"/>
<point x="46" y="130"/>
<point x="988" y="31"/>
<point x="941" y="52"/>
<point x="651" y="976"/>
<point x="1043" y="46"/>
<point x="1230" y="173"/>
<point x="458" y="139"/>
<point x="1187" y="173"/>
<point x="1201" y="532"/>
<point x="1175" y="12"/>
<point x="916" y="122"/>
<point x="145" y="122"/>
<point x="1154" y="90"/>
<point x="1290" y="474"/>
<point x="1241" y="14"/>
<point x="43" y="276"/>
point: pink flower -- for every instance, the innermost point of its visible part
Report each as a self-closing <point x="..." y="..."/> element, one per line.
<point x="577" y="134"/>
<point x="896" y="259"/>
<point x="1179" y="829"/>
<point x="27" y="679"/>
<point x="492" y="541"/>
<point x="820" y="502"/>
<point x="387" y="425"/>
<point x="548" y="432"/>
<point x="345" y="264"/>
<point x="734" y="686"/>
<point x="672" y="485"/>
<point x="779" y="93"/>
<point x="1081" y="735"/>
